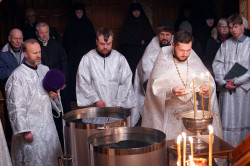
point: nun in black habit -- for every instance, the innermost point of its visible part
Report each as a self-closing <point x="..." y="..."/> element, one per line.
<point x="136" y="35"/>
<point x="78" y="39"/>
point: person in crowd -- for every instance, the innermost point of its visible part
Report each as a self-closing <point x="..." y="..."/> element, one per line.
<point x="204" y="32"/>
<point x="53" y="56"/>
<point x="35" y="140"/>
<point x="104" y="78"/>
<point x="78" y="39"/>
<point x="29" y="29"/>
<point x="168" y="92"/>
<point x="218" y="35"/>
<point x="185" y="14"/>
<point x="4" y="153"/>
<point x="11" y="56"/>
<point x="136" y="35"/>
<point x="234" y="89"/>
<point x="185" y="25"/>
<point x="165" y="31"/>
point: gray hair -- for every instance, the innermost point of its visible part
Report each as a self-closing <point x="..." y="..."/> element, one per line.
<point x="41" y="24"/>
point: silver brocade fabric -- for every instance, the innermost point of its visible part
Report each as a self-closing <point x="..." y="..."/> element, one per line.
<point x="234" y="105"/>
<point x="142" y="74"/>
<point x="161" y="106"/>
<point x="30" y="109"/>
<point x="108" y="79"/>
<point x="4" y="152"/>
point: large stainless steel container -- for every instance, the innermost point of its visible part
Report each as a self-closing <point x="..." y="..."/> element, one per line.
<point x="128" y="146"/>
<point x="81" y="123"/>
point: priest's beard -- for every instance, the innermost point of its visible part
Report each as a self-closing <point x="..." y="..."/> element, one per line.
<point x="180" y="60"/>
<point x="33" y="62"/>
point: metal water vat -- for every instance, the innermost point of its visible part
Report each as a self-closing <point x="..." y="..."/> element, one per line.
<point x="128" y="146"/>
<point x="81" y="123"/>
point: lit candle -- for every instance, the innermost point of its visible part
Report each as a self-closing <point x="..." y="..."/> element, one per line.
<point x="209" y="98"/>
<point x="191" y="146"/>
<point x="184" y="147"/>
<point x="179" y="150"/>
<point x="202" y="94"/>
<point x="194" y="96"/>
<point x="191" y="161"/>
<point x="210" y="154"/>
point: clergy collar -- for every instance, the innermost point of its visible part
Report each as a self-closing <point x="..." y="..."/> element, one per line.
<point x="163" y="45"/>
<point x="241" y="39"/>
<point x="28" y="65"/>
<point x="102" y="55"/>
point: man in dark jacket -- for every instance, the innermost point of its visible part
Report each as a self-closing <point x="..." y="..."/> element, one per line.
<point x="11" y="56"/>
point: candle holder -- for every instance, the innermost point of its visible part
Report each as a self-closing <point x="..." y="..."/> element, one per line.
<point x="197" y="125"/>
<point x="197" y="162"/>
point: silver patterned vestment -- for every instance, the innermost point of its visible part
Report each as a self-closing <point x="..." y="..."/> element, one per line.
<point x="142" y="74"/>
<point x="4" y="152"/>
<point x="30" y="110"/>
<point x="161" y="106"/>
<point x="234" y="105"/>
<point x="108" y="79"/>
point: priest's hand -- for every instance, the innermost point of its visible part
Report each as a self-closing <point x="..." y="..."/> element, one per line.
<point x="53" y="95"/>
<point x="28" y="136"/>
<point x="205" y="90"/>
<point x="100" y="103"/>
<point x="230" y="85"/>
<point x="178" y="91"/>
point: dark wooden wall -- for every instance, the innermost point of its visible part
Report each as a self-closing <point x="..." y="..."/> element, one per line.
<point x="103" y="13"/>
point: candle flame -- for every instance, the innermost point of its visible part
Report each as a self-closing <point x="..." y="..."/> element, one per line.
<point x="202" y="75"/>
<point x="190" y="139"/>
<point x="190" y="158"/>
<point x="207" y="73"/>
<point x="210" y="128"/>
<point x="192" y="163"/>
<point x="183" y="134"/>
<point x="178" y="163"/>
<point x="179" y="139"/>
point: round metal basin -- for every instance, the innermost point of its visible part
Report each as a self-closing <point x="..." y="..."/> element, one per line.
<point x="199" y="124"/>
<point x="126" y="146"/>
<point x="81" y="123"/>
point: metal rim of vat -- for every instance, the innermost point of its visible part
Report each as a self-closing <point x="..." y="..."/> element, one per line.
<point x="128" y="130"/>
<point x="93" y="112"/>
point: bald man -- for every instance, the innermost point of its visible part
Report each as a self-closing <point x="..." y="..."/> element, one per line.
<point x="11" y="56"/>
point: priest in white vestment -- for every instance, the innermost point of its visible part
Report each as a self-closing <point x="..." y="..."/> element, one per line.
<point x="4" y="152"/>
<point x="165" y="31"/>
<point x="104" y="78"/>
<point x="169" y="83"/>
<point x="234" y="98"/>
<point x="35" y="140"/>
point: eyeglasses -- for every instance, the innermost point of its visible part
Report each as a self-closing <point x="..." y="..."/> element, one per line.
<point x="223" y="27"/>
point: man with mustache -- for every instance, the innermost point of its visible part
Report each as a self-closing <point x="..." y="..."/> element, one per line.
<point x="168" y="90"/>
<point x="235" y="92"/>
<point x="35" y="140"/>
<point x="165" y="31"/>
<point x="104" y="78"/>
